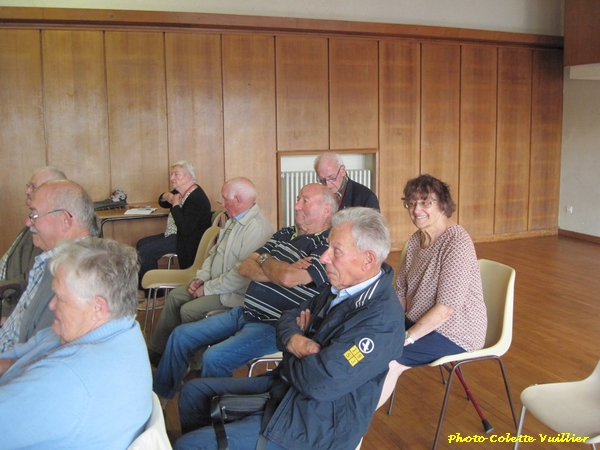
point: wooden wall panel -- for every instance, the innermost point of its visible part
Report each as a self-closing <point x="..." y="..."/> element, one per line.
<point x="513" y="145"/>
<point x="582" y="39"/>
<point x="479" y="81"/>
<point x="135" y="72"/>
<point x="440" y="112"/>
<point x="399" y="115"/>
<point x="22" y="146"/>
<point x="76" y="107"/>
<point x="249" y="115"/>
<point x="195" y="106"/>
<point x="546" y="139"/>
<point x="353" y="93"/>
<point x="302" y="73"/>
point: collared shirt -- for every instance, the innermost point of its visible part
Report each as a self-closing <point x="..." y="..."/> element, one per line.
<point x="343" y="294"/>
<point x="339" y="195"/>
<point x="9" y="333"/>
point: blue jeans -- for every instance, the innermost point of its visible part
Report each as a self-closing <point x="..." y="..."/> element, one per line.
<point x="233" y="342"/>
<point x="194" y="412"/>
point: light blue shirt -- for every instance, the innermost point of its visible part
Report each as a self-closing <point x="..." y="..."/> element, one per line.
<point x="93" y="393"/>
<point x="348" y="292"/>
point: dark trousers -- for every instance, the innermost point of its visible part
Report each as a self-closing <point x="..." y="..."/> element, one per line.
<point x="194" y="413"/>
<point x="151" y="249"/>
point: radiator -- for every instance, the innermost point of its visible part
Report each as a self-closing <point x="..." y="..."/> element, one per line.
<point x="292" y="182"/>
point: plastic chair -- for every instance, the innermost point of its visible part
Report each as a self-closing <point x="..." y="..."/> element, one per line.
<point x="154" y="280"/>
<point x="572" y="407"/>
<point x="498" y="292"/>
<point x="219" y="217"/>
<point x="154" y="436"/>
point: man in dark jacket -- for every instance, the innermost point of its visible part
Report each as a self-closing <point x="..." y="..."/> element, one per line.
<point x="337" y="347"/>
<point x="331" y="172"/>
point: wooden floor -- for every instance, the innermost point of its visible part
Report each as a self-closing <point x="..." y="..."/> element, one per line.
<point x="556" y="338"/>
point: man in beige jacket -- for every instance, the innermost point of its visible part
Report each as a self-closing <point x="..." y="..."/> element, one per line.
<point x="218" y="283"/>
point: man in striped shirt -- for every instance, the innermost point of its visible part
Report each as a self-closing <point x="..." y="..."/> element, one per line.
<point x="285" y="272"/>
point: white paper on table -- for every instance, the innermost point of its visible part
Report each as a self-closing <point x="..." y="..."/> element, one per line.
<point x="140" y="211"/>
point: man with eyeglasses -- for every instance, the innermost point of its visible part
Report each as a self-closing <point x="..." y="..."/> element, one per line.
<point x="331" y="172"/>
<point x="60" y="209"/>
<point x="18" y="260"/>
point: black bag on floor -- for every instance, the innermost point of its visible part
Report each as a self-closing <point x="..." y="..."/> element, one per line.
<point x="228" y="408"/>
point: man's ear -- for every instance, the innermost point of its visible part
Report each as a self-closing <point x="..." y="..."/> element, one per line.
<point x="369" y="259"/>
<point x="100" y="306"/>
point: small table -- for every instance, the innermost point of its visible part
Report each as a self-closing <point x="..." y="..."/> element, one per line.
<point x="117" y="214"/>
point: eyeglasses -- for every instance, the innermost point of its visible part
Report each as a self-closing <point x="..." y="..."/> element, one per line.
<point x="425" y="204"/>
<point x="330" y="177"/>
<point x="31" y="186"/>
<point x="34" y="217"/>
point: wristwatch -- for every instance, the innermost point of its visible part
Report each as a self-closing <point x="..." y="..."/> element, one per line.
<point x="262" y="258"/>
<point x="408" y="338"/>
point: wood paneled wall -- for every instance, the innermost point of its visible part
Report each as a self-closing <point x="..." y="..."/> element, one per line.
<point x="115" y="107"/>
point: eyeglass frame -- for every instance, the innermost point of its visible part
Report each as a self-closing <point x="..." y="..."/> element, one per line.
<point x="411" y="204"/>
<point x="34" y="217"/>
<point x="329" y="179"/>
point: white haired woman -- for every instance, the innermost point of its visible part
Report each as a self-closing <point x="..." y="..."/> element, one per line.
<point x="86" y="381"/>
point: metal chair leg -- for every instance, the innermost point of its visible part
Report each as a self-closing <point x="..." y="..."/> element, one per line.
<point x="520" y="427"/>
<point x="392" y="397"/>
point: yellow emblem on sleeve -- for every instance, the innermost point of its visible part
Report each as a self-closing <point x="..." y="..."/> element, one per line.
<point x="354" y="355"/>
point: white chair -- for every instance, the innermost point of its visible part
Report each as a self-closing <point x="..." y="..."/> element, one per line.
<point x="157" y="279"/>
<point x="219" y="217"/>
<point x="498" y="292"/>
<point x="154" y="436"/>
<point x="274" y="358"/>
<point x="572" y="407"/>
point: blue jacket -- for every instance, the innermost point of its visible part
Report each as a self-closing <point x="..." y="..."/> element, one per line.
<point x="331" y="396"/>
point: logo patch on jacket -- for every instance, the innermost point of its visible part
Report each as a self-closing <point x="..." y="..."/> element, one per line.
<point x="354" y="355"/>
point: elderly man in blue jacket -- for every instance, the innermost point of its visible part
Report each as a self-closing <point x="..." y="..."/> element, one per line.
<point x="337" y="347"/>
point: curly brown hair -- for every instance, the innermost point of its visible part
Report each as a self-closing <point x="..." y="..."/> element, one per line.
<point x="424" y="185"/>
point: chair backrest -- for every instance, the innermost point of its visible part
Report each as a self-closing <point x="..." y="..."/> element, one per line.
<point x="402" y="258"/>
<point x="209" y="238"/>
<point x="154" y="436"/>
<point x="219" y="217"/>
<point x="498" y="282"/>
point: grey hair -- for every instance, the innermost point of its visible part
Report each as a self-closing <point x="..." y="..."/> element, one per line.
<point x="334" y="157"/>
<point x="243" y="187"/>
<point x="100" y="267"/>
<point x="56" y="174"/>
<point x="329" y="198"/>
<point x="71" y="196"/>
<point x="369" y="229"/>
<point x="187" y="166"/>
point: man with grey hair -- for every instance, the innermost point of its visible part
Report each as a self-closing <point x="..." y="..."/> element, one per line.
<point x="60" y="209"/>
<point x="86" y="381"/>
<point x="189" y="218"/>
<point x="18" y="260"/>
<point x="337" y="347"/>
<point x="331" y="172"/>
<point x="218" y="284"/>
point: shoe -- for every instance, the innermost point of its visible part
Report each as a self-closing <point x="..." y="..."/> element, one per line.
<point x="160" y="303"/>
